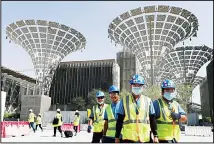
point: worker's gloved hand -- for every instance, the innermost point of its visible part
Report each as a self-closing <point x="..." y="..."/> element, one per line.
<point x="89" y="129"/>
<point x="104" y="139"/>
<point x="175" y="116"/>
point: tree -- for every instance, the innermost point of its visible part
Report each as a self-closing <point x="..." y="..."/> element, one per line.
<point x="92" y="98"/>
<point x="78" y="103"/>
<point x="124" y="93"/>
<point x="184" y="93"/>
<point x="153" y="92"/>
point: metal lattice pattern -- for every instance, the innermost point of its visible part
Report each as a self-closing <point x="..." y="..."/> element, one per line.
<point x="46" y="42"/>
<point x="169" y="25"/>
<point x="174" y="67"/>
<point x="197" y="81"/>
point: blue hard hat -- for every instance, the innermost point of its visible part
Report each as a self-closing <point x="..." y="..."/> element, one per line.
<point x="100" y="94"/>
<point x="137" y="79"/>
<point x="113" y="89"/>
<point x="168" y="84"/>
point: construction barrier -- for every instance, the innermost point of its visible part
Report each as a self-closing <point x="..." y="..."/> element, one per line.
<point x="64" y="127"/>
<point x="14" y="128"/>
<point x="198" y="131"/>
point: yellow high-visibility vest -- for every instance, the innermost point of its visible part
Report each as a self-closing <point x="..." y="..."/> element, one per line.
<point x="98" y="123"/>
<point x="31" y="117"/>
<point x="136" y="127"/>
<point x="38" y="120"/>
<point x="111" y="122"/>
<point x="76" y="120"/>
<point x="59" y="116"/>
<point x="88" y="113"/>
<point x="165" y="128"/>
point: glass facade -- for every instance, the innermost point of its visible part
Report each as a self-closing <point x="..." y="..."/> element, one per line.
<point x="74" y="79"/>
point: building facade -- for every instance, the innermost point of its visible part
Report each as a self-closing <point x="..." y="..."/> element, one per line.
<point x="129" y="65"/>
<point x="16" y="85"/>
<point x="204" y="95"/>
<point x="78" y="78"/>
<point x="210" y="86"/>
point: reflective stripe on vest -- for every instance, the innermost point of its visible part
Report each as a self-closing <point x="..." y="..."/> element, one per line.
<point x="98" y="118"/>
<point x="111" y="122"/>
<point x="165" y="128"/>
<point x="136" y="129"/>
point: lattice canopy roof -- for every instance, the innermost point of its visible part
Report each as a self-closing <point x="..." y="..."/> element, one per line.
<point x="169" y="25"/>
<point x="46" y="42"/>
<point x="174" y="67"/>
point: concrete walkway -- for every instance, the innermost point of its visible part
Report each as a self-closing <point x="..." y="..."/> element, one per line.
<point x="83" y="136"/>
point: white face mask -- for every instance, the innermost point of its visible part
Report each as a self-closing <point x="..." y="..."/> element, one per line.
<point x="169" y="96"/>
<point x="101" y="101"/>
<point x="137" y="90"/>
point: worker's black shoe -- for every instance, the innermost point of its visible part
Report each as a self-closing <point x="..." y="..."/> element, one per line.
<point x="54" y="135"/>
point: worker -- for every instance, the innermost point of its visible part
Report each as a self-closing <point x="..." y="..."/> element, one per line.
<point x="110" y="116"/>
<point x="76" y="121"/>
<point x="97" y="117"/>
<point x="136" y="115"/>
<point x="57" y="122"/>
<point x="39" y="122"/>
<point x="168" y="114"/>
<point x="31" y="120"/>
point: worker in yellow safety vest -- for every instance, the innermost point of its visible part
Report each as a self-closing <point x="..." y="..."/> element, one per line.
<point x="57" y="122"/>
<point x="136" y="115"/>
<point x="168" y="114"/>
<point x="39" y="122"/>
<point x="110" y="116"/>
<point x="31" y="120"/>
<point x="76" y="121"/>
<point x="97" y="117"/>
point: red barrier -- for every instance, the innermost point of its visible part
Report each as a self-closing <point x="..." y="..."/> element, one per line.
<point x="14" y="128"/>
<point x="68" y="126"/>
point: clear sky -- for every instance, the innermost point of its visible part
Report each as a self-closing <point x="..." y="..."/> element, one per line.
<point x="92" y="20"/>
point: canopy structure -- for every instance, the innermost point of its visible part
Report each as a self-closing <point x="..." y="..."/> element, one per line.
<point x="47" y="43"/>
<point x="183" y="63"/>
<point x="168" y="26"/>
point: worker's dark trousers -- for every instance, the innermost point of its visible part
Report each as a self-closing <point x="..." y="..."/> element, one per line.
<point x="168" y="141"/>
<point x="130" y="141"/>
<point x="109" y="140"/>
<point x="39" y="126"/>
<point x="59" y="128"/>
<point x="75" y="128"/>
<point x="97" y="136"/>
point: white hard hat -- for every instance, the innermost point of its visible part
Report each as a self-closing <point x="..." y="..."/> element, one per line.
<point x="58" y="110"/>
<point x="77" y="111"/>
<point x="30" y="110"/>
<point x="39" y="114"/>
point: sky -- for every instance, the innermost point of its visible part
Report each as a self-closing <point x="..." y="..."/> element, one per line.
<point x="92" y="20"/>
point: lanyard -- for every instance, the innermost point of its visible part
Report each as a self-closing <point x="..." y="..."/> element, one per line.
<point x="136" y="106"/>
<point x="101" y="110"/>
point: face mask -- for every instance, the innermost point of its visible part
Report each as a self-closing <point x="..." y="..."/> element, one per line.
<point x="100" y="102"/>
<point x="137" y="90"/>
<point x="169" y="96"/>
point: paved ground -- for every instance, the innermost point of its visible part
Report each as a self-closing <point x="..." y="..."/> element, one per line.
<point x="83" y="136"/>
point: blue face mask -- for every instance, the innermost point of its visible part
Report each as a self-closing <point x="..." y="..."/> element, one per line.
<point x="169" y="95"/>
<point x="137" y="90"/>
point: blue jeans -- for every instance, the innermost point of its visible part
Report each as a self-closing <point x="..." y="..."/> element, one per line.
<point x="31" y="124"/>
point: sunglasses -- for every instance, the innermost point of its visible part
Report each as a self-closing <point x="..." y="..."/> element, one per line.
<point x="100" y="98"/>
